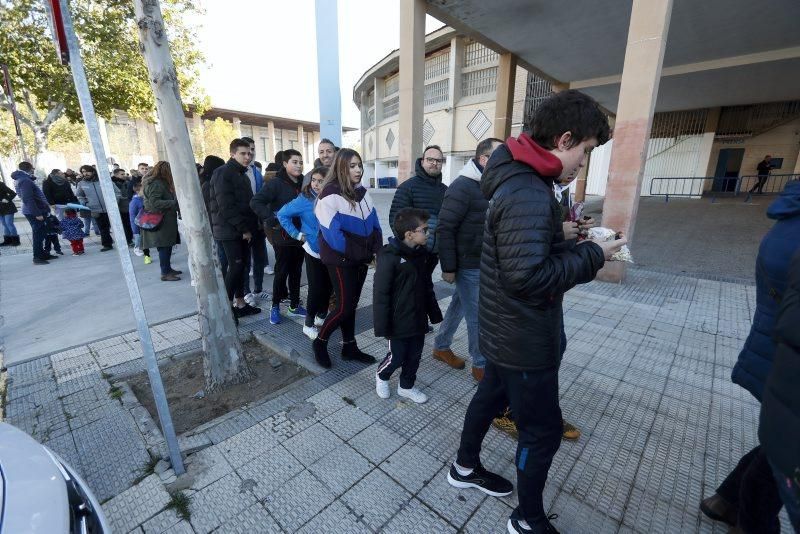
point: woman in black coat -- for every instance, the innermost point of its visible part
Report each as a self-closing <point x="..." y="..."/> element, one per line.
<point x="7" y="211"/>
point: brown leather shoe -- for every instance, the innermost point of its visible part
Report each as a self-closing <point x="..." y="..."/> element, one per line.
<point x="477" y="373"/>
<point x="170" y="277"/>
<point x="570" y="431"/>
<point x="718" y="509"/>
<point x="449" y="358"/>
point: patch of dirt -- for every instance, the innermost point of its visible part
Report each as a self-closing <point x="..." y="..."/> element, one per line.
<point x="184" y="379"/>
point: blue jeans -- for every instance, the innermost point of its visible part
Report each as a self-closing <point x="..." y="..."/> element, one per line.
<point x="789" y="490"/>
<point x="464" y="304"/>
<point x="164" y="257"/>
<point x="88" y="224"/>
<point x="8" y="225"/>
<point x="39" y="233"/>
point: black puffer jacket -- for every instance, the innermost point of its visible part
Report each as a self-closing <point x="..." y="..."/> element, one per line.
<point x="779" y="430"/>
<point x="7" y="195"/>
<point x="276" y="193"/>
<point x="58" y="193"/>
<point x="523" y="279"/>
<point x="421" y="191"/>
<point x="229" y="195"/>
<point x="461" y="221"/>
<point x="403" y="297"/>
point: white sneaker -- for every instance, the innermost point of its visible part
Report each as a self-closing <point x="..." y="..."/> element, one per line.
<point x="250" y="299"/>
<point x="382" y="387"/>
<point x="413" y="393"/>
<point x="319" y="321"/>
<point x="138" y="251"/>
<point x="311" y="332"/>
<point x="270" y="270"/>
<point x="261" y="295"/>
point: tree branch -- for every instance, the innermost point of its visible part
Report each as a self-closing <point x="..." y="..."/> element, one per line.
<point x="31" y="108"/>
<point x="52" y="115"/>
<point x="6" y="103"/>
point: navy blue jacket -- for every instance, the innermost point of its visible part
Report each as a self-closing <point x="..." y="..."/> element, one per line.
<point x="33" y="200"/>
<point x="772" y="271"/>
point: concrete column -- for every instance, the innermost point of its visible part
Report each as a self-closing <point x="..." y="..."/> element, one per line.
<point x="706" y="145"/>
<point x="379" y="88"/>
<point x="237" y="126"/>
<point x="197" y="134"/>
<point x="456" y="64"/>
<point x="412" y="84"/>
<point x="580" y="181"/>
<point x="271" y="141"/>
<point x="504" y="108"/>
<point x="797" y="165"/>
<point x="641" y="74"/>
<point x="301" y="138"/>
<point x="330" y="100"/>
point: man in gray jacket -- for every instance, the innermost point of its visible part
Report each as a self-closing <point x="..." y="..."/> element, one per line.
<point x="90" y="194"/>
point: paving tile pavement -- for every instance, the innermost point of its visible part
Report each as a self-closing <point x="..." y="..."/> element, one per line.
<point x="645" y="377"/>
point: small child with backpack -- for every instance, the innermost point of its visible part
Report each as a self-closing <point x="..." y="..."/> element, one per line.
<point x="72" y="230"/>
<point x="403" y="301"/>
<point x="135" y="207"/>
<point x="53" y="227"/>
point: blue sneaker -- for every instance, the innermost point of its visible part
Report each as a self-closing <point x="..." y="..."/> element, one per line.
<point x="275" y="315"/>
<point x="299" y="311"/>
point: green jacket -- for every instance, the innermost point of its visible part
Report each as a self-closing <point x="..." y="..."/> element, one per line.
<point x="158" y="199"/>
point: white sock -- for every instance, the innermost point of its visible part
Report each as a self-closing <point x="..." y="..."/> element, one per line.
<point x="463" y="471"/>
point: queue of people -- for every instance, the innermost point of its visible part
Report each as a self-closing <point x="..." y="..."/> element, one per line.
<point x="501" y="237"/>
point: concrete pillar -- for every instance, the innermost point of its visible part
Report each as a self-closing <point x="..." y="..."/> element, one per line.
<point x="412" y="85"/>
<point x="330" y="100"/>
<point x="301" y="138"/>
<point x="160" y="148"/>
<point x="271" y="141"/>
<point x="237" y="126"/>
<point x="504" y="108"/>
<point x="641" y="74"/>
<point x="198" y="134"/>
<point x="580" y="181"/>
<point x="456" y="64"/>
<point x="797" y="165"/>
<point x="707" y="144"/>
<point x="379" y="88"/>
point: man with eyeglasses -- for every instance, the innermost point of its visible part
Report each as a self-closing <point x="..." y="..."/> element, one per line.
<point x="425" y="190"/>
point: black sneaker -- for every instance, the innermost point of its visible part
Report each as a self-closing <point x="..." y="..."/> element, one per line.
<point x="51" y="257"/>
<point x="480" y="478"/>
<point x="351" y="352"/>
<point x="249" y="310"/>
<point x="59" y="252"/>
<point x="40" y="261"/>
<point x="543" y="527"/>
<point x="106" y="249"/>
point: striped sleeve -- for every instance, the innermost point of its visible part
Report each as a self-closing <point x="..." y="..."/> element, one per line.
<point x="330" y="227"/>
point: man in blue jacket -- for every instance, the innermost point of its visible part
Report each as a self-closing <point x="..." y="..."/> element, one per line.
<point x="748" y="498"/>
<point x="35" y="208"/>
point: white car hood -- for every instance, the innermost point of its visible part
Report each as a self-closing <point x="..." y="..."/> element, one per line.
<point x="34" y="494"/>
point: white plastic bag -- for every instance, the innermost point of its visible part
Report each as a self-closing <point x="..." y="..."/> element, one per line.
<point x="599" y="233"/>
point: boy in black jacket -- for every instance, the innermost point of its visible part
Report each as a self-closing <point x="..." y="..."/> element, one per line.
<point x="403" y="289"/>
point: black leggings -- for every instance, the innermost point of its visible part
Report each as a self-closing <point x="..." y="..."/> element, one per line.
<point x="288" y="264"/>
<point x="347" y="284"/>
<point x="319" y="288"/>
<point x="235" y="252"/>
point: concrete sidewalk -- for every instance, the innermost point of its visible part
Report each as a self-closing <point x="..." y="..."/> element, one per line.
<point x="79" y="299"/>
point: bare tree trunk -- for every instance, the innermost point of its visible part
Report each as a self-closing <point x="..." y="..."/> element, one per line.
<point x="224" y="361"/>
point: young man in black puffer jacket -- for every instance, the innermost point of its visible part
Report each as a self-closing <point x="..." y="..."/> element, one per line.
<point x="233" y="223"/>
<point x="524" y="275"/>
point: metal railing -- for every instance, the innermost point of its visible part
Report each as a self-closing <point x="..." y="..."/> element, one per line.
<point x="721" y="186"/>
